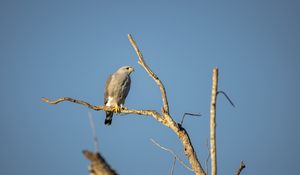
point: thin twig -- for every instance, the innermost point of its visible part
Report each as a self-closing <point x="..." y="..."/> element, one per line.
<point x="190" y="114"/>
<point x="95" y="138"/>
<point x="170" y="151"/>
<point x="227" y="97"/>
<point x="207" y="158"/>
<point x="213" y="149"/>
<point x="242" y="166"/>
<point x="150" y="72"/>
<point x="173" y="166"/>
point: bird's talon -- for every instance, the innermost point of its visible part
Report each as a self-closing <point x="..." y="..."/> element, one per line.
<point x="117" y="109"/>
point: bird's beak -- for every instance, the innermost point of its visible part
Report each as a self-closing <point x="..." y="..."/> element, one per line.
<point x="132" y="69"/>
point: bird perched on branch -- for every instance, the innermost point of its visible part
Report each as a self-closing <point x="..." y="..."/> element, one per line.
<point x="116" y="90"/>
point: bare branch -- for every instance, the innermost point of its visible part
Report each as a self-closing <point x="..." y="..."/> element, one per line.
<point x="207" y="158"/>
<point x="191" y="114"/>
<point x="149" y="71"/>
<point x="152" y="113"/>
<point x="170" y="151"/>
<point x="213" y="151"/>
<point x="97" y="108"/>
<point x="242" y="166"/>
<point x="96" y="142"/>
<point x="173" y="166"/>
<point x="163" y="118"/>
<point x="168" y="120"/>
<point x="98" y="164"/>
<point x="227" y="97"/>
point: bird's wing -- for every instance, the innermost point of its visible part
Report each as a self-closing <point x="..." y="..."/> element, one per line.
<point x="120" y="87"/>
<point x="125" y="88"/>
<point x="106" y="89"/>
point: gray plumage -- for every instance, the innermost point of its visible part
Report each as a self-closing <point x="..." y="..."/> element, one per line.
<point x="116" y="90"/>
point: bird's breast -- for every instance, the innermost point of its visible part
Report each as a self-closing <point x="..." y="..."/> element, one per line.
<point x="110" y="101"/>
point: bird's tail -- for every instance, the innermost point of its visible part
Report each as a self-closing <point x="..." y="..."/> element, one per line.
<point x="108" y="118"/>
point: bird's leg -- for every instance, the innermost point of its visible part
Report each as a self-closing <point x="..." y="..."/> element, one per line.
<point x="117" y="109"/>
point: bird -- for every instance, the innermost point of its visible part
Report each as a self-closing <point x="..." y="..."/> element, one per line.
<point x="116" y="89"/>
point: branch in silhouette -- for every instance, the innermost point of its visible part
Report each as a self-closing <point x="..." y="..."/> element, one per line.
<point x="190" y="114"/>
<point x="242" y="166"/>
<point x="227" y="97"/>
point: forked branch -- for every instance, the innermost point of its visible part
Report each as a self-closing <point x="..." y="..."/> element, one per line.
<point x="163" y="118"/>
<point x="168" y="120"/>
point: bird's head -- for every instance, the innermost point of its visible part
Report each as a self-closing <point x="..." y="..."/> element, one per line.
<point x="127" y="69"/>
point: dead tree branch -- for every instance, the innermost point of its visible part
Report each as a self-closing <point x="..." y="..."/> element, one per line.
<point x="97" y="108"/>
<point x="168" y="120"/>
<point x="207" y="158"/>
<point x="170" y="151"/>
<point x="213" y="151"/>
<point x="98" y="164"/>
<point x="242" y="166"/>
<point x="189" y="114"/>
<point x="163" y="118"/>
<point x="227" y="97"/>
<point x="173" y="166"/>
<point x="151" y="113"/>
<point x="149" y="71"/>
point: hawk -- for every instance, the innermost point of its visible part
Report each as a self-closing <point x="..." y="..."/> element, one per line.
<point x="116" y="90"/>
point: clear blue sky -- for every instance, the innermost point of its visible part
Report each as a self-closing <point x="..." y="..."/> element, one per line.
<point x="68" y="48"/>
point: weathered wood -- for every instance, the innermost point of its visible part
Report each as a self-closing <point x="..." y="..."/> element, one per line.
<point x="213" y="149"/>
<point x="98" y="164"/>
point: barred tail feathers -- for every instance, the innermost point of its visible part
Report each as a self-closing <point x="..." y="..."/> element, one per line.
<point x="108" y="118"/>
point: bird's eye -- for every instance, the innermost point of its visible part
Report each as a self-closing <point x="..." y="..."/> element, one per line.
<point x="127" y="68"/>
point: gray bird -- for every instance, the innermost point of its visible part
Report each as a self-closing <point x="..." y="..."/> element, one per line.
<point x="116" y="90"/>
